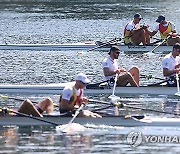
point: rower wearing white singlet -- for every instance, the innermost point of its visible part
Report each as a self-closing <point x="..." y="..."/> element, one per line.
<point x="171" y="65"/>
<point x="110" y="69"/>
<point x="72" y="98"/>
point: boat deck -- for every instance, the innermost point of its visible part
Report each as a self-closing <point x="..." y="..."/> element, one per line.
<point x="86" y="46"/>
<point x="135" y="121"/>
<point x="57" y="89"/>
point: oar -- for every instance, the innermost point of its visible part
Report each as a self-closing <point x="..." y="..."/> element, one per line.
<point x="104" y="44"/>
<point x="98" y="101"/>
<point x="122" y="105"/>
<point x="140" y="108"/>
<point x="150" y="77"/>
<point x="159" y="44"/>
<point x="121" y="100"/>
<point x="158" y="83"/>
<point x="31" y="117"/>
<point x="17" y="99"/>
<point x="153" y="43"/>
<point x="102" y="108"/>
<point x="75" y="115"/>
<point x="21" y="99"/>
<point x="177" y="80"/>
<point x="114" y="97"/>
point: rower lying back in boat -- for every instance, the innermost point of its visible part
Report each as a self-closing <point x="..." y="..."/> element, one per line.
<point x="27" y="107"/>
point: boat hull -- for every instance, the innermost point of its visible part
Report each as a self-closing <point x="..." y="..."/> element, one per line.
<point x="57" y="89"/>
<point x="113" y="121"/>
<point x="82" y="46"/>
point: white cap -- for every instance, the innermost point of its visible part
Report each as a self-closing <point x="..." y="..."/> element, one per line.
<point x="82" y="77"/>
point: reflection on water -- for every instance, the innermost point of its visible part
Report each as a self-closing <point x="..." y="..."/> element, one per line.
<point x="100" y="139"/>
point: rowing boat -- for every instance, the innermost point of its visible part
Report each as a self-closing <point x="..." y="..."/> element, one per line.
<point x="57" y="89"/>
<point x="82" y="46"/>
<point x="133" y="121"/>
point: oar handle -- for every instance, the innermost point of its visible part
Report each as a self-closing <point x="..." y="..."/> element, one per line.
<point x="104" y="44"/>
<point x="160" y="44"/>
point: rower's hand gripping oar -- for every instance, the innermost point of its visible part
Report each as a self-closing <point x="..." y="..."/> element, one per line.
<point x="177" y="80"/>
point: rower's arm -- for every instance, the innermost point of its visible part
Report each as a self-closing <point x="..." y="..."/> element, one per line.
<point x="167" y="72"/>
<point x="107" y="72"/>
<point x="177" y="66"/>
<point x="152" y="33"/>
<point x="66" y="105"/>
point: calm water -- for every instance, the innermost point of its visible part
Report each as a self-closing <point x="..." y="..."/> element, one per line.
<point x="54" y="21"/>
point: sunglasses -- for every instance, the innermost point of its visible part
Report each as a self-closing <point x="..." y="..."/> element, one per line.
<point x="178" y="50"/>
<point x="82" y="82"/>
<point x="117" y="53"/>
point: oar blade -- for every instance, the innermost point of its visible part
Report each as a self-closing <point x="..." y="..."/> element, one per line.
<point x="72" y="128"/>
<point x="4" y="97"/>
<point x="177" y="94"/>
<point x="114" y="97"/>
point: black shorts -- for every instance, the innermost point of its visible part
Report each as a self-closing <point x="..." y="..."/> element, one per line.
<point x="39" y="109"/>
<point x="129" y="44"/>
<point x="66" y="113"/>
<point x="172" y="82"/>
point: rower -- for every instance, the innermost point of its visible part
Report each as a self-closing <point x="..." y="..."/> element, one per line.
<point x="134" y="34"/>
<point x="171" y="65"/>
<point x="72" y="98"/>
<point x="29" y="108"/>
<point x="166" y="29"/>
<point x="110" y="69"/>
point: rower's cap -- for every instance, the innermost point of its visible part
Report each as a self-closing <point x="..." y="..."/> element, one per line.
<point x="83" y="78"/>
<point x="114" y="48"/>
<point x="138" y="16"/>
<point x="176" y="46"/>
<point x="160" y="18"/>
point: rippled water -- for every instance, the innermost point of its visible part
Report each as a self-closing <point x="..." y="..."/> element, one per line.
<point x="46" y="21"/>
<point x="32" y="67"/>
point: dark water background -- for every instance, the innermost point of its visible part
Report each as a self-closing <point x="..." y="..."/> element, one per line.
<point x="57" y="21"/>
